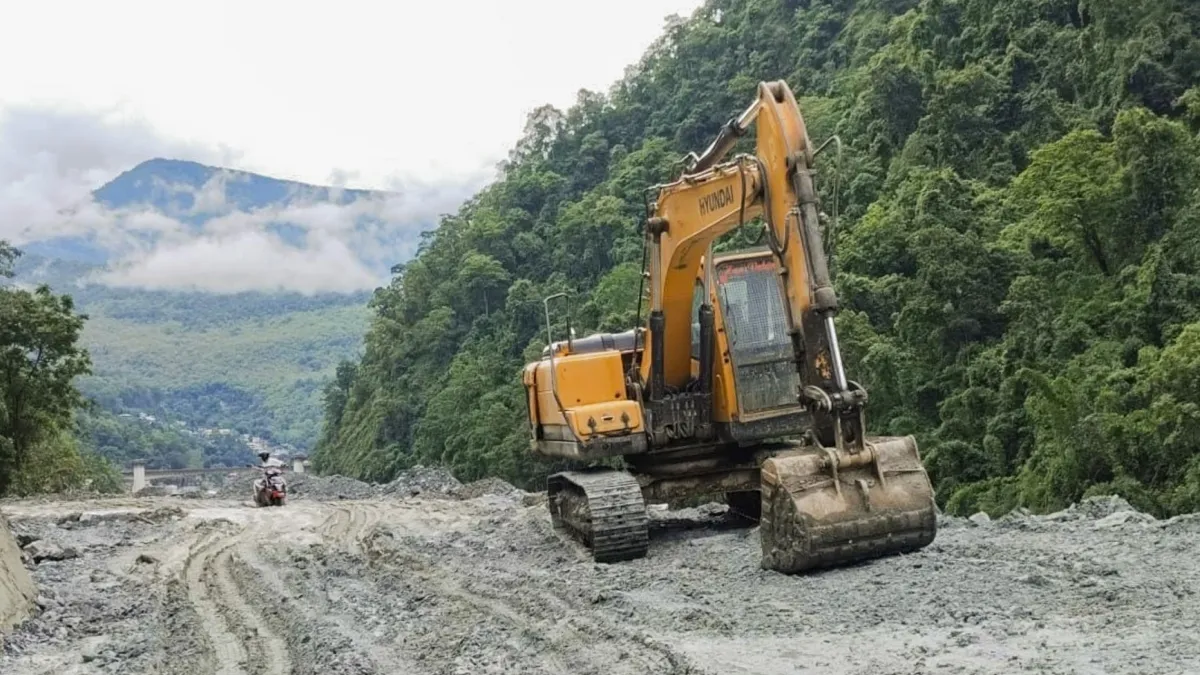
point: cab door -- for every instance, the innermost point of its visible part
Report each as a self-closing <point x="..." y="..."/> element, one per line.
<point x="760" y="349"/>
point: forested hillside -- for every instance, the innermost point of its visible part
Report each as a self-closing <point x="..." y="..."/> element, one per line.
<point x="254" y="361"/>
<point x="1018" y="250"/>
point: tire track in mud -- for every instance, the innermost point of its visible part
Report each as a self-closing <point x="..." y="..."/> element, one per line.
<point x="334" y="523"/>
<point x="228" y="652"/>
<point x="238" y="637"/>
<point x="579" y="640"/>
<point x="322" y="637"/>
<point x="271" y="650"/>
<point x="350" y="525"/>
<point x="320" y="640"/>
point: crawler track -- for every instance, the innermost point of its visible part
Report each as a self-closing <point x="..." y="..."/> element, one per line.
<point x="603" y="509"/>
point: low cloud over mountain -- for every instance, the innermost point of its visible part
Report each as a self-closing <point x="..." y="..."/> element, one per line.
<point x="185" y="224"/>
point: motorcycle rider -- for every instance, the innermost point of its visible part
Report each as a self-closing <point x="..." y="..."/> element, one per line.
<point x="271" y="468"/>
<point x="267" y="460"/>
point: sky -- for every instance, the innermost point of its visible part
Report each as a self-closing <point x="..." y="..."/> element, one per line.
<point x="422" y="98"/>
<point x="307" y="90"/>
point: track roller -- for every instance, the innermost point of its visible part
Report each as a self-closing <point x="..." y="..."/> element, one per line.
<point x="603" y="509"/>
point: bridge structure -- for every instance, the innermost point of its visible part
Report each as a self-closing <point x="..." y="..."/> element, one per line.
<point x="138" y="476"/>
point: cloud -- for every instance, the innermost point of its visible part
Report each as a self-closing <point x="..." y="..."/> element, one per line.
<point x="51" y="160"/>
<point x="246" y="261"/>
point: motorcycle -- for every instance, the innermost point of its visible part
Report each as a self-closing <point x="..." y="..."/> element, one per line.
<point x="271" y="489"/>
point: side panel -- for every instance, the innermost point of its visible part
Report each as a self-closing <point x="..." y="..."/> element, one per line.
<point x="582" y="380"/>
<point x="597" y="419"/>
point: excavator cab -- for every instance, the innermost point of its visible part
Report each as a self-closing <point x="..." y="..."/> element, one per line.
<point x="817" y="507"/>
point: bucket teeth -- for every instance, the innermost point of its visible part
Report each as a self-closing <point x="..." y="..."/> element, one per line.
<point x="824" y="508"/>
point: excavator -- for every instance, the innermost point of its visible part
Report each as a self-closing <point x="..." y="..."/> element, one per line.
<point x="735" y="385"/>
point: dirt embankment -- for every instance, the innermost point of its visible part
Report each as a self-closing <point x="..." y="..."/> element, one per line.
<point x="472" y="579"/>
<point x="17" y="591"/>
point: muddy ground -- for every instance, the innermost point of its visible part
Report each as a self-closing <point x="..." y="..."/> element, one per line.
<point x="442" y="579"/>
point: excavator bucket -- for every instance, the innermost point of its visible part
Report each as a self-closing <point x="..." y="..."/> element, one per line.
<point x="825" y="507"/>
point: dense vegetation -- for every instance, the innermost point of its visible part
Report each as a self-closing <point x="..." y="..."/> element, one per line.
<point x="124" y="437"/>
<point x="255" y="361"/>
<point x="1018" y="250"/>
<point x="40" y="359"/>
<point x="261" y="375"/>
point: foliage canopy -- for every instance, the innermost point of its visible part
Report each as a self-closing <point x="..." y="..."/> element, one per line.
<point x="1017" y="250"/>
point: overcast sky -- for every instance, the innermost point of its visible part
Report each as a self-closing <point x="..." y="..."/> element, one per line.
<point x="422" y="99"/>
<point x="311" y="90"/>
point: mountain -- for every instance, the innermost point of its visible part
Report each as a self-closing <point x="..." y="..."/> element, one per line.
<point x="190" y="196"/>
<point x="191" y="321"/>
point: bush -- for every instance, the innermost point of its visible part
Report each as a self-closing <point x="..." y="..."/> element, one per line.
<point x="56" y="464"/>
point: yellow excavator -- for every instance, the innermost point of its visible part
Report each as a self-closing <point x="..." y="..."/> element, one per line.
<point x="736" y="385"/>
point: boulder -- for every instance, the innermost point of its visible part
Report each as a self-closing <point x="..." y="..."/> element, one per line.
<point x="43" y="550"/>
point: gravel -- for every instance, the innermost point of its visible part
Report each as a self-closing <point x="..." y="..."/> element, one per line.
<point x="421" y="480"/>
<point x="384" y="581"/>
<point x="417" y="481"/>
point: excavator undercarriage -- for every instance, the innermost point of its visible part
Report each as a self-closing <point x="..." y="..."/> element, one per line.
<point x="815" y="509"/>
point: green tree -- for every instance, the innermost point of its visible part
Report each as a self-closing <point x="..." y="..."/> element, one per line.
<point x="40" y="357"/>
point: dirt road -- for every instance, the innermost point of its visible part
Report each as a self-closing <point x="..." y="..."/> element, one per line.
<point x="432" y="585"/>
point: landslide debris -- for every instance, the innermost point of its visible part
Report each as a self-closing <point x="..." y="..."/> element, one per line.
<point x="473" y="579"/>
<point x="417" y="481"/>
<point x="17" y="590"/>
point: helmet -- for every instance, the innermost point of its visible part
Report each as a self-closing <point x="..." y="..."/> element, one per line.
<point x="264" y="455"/>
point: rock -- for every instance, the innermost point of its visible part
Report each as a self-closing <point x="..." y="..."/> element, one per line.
<point x="93" y="647"/>
<point x="1188" y="522"/>
<point x="1121" y="518"/>
<point x="42" y="550"/>
<point x="433" y="480"/>
<point x="489" y="486"/>
<point x="91" y="518"/>
<point x="69" y="519"/>
<point x="533" y="498"/>
<point x="146" y="559"/>
<point x="1092" y="508"/>
<point x="161" y="514"/>
<point x="981" y="518"/>
<point x="153" y="491"/>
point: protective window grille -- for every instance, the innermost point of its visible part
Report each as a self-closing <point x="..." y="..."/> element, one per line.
<point x="756" y="326"/>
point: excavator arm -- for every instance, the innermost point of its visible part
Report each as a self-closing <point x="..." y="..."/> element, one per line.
<point x="846" y="496"/>
<point x="712" y="198"/>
